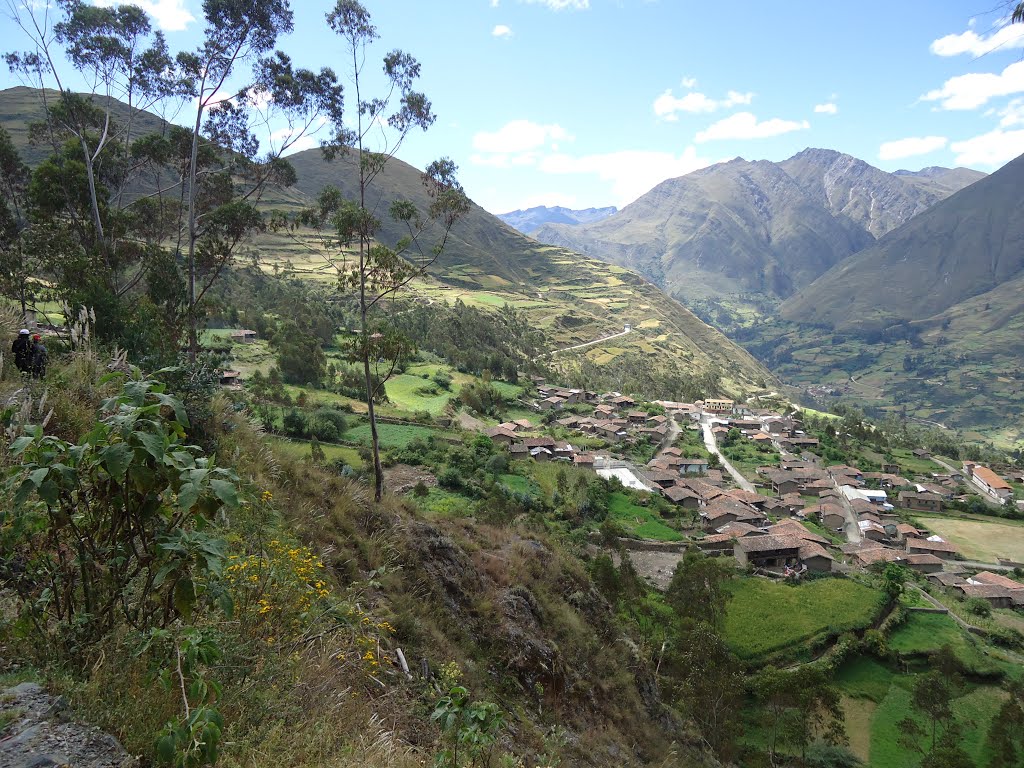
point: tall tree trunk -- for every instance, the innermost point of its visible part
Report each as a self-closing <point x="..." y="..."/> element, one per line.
<point x="193" y="335"/>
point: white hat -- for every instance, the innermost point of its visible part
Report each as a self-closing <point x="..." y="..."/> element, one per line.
<point x="23" y="331"/>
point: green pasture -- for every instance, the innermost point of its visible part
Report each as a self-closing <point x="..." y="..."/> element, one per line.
<point x="393" y="435"/>
<point x="639" y="521"/>
<point x="766" y="616"/>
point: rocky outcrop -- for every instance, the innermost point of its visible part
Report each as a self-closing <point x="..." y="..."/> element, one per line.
<point x="39" y="733"/>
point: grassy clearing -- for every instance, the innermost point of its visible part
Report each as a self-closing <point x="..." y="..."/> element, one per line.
<point x="392" y="435"/>
<point x="766" y="616"/>
<point x="639" y="521"/>
<point x="977" y="707"/>
<point x="864" y="678"/>
<point x="300" y="449"/>
<point x="877" y="698"/>
<point x="980" y="539"/>
<point x="913" y="465"/>
<point x="414" y="393"/>
<point x="444" y="503"/>
<point x="924" y="633"/>
<point x="520" y="484"/>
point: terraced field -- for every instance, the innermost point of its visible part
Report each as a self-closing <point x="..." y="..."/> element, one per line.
<point x="765" y="616"/>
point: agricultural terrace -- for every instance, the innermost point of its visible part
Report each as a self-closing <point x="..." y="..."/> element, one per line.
<point x="925" y="633"/>
<point x="765" y="617"/>
<point x="876" y="698"/>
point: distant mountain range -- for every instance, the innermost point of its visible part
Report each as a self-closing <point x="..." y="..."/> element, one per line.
<point x="757" y="227"/>
<point x="526" y="221"/>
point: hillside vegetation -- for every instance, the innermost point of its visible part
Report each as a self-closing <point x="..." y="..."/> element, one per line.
<point x="486" y="264"/>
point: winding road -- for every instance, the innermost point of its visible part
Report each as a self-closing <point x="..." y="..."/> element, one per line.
<point x="590" y="343"/>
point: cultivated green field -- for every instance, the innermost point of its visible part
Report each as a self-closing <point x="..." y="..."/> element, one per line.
<point x="765" y="616"/>
<point x="924" y="633"/>
<point x="393" y="435"/>
<point x="300" y="449"/>
<point x="639" y="521"/>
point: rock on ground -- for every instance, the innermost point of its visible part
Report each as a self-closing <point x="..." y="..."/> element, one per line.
<point x="39" y="733"/>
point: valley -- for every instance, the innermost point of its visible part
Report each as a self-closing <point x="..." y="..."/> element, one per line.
<point x="311" y="460"/>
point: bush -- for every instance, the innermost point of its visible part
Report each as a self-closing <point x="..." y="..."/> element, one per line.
<point x="443" y="380"/>
<point x="327" y="424"/>
<point x="979" y="607"/>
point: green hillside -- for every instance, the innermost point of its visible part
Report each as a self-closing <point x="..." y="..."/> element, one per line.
<point x="487" y="263"/>
<point x="927" y="322"/>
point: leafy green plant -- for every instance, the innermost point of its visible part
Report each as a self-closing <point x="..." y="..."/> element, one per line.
<point x="470" y="729"/>
<point x="180" y="660"/>
<point x="116" y="527"/>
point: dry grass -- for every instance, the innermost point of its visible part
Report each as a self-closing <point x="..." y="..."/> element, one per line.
<point x="980" y="540"/>
<point x="858" y="714"/>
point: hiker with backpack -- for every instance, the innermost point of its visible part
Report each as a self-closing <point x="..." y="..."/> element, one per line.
<point x="22" y="350"/>
<point x="39" y="357"/>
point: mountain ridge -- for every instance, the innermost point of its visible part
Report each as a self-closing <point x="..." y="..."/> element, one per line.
<point x="756" y="227"/>
<point x="576" y="298"/>
<point x="529" y="219"/>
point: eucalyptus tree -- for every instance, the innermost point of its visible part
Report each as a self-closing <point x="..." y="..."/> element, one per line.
<point x="349" y="232"/>
<point x="237" y="48"/>
<point x="147" y="198"/>
<point x="15" y="262"/>
<point x="79" y="191"/>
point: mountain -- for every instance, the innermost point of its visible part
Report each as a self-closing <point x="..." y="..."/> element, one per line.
<point x="947" y="180"/>
<point x="488" y="263"/>
<point x="968" y="244"/>
<point x="927" y="323"/>
<point x="526" y="221"/>
<point x="876" y="201"/>
<point x="735" y="227"/>
<point x="746" y="234"/>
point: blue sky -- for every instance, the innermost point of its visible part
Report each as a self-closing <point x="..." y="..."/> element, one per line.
<point x="593" y="102"/>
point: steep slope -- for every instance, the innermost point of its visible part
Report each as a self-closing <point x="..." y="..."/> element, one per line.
<point x="732" y="228"/>
<point x="877" y="201"/>
<point x="736" y="237"/>
<point x="530" y="219"/>
<point x="926" y="324"/>
<point x="969" y="244"/>
<point x="573" y="298"/>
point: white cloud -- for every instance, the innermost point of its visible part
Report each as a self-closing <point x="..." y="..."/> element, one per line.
<point x="744" y="125"/>
<point x="631" y="172"/>
<point x="991" y="149"/>
<point x="667" y="105"/>
<point x="1009" y="36"/>
<point x="688" y="82"/>
<point x="501" y="30"/>
<point x="1012" y="114"/>
<point x="561" y="5"/>
<point x="828" y="108"/>
<point x="915" y="145"/>
<point x="279" y="137"/>
<point x="976" y="89"/>
<point x="519" y="136"/>
<point x="169" y="15"/>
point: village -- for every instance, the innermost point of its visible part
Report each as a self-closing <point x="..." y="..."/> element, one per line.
<point x="796" y="515"/>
